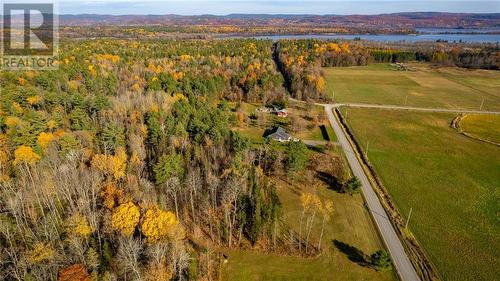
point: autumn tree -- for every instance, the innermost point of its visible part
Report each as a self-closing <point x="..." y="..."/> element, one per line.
<point x="125" y="218"/>
<point x="158" y="225"/>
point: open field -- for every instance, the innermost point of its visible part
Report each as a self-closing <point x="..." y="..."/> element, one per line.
<point x="425" y="87"/>
<point x="450" y="181"/>
<point x="482" y="126"/>
<point x="350" y="224"/>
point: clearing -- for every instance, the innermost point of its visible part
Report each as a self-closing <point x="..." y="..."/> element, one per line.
<point x="305" y="122"/>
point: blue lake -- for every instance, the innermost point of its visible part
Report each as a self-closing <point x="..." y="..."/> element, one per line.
<point x="470" y="38"/>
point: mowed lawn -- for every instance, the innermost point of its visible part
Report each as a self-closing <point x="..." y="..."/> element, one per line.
<point x="486" y="127"/>
<point x="426" y="87"/>
<point x="350" y="224"/>
<point x="312" y="121"/>
<point x="452" y="183"/>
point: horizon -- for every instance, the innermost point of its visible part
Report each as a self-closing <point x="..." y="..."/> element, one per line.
<point x="280" y="7"/>
<point x="264" y="14"/>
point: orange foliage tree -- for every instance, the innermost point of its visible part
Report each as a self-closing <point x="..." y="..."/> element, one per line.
<point x="76" y="272"/>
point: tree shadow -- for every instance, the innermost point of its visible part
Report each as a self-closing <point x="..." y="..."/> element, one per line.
<point x="324" y="132"/>
<point x="331" y="181"/>
<point x="316" y="148"/>
<point x="353" y="254"/>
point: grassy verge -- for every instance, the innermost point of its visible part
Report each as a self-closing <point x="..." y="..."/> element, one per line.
<point x="425" y="87"/>
<point x="449" y="180"/>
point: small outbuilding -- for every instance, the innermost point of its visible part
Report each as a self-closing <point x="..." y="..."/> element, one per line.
<point x="282" y="113"/>
<point x="278" y="134"/>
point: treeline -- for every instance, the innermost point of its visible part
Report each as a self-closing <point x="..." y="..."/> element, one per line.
<point x="482" y="58"/>
<point x="301" y="63"/>
<point x="122" y="163"/>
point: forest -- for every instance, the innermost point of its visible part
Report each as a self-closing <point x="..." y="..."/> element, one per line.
<point x="122" y="163"/>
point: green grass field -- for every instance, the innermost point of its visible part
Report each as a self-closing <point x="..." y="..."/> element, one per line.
<point x="482" y="126"/>
<point x="351" y="224"/>
<point x="452" y="183"/>
<point x="425" y="87"/>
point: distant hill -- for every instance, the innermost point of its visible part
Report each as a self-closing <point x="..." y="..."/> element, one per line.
<point x="397" y="20"/>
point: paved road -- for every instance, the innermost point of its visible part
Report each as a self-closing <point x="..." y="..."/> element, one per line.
<point x="410" y="108"/>
<point x="400" y="259"/>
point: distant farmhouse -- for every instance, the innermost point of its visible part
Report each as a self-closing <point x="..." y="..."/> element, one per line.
<point x="274" y="110"/>
<point x="278" y="134"/>
<point x="282" y="113"/>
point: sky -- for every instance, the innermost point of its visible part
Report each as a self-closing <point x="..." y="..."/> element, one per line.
<point x="224" y="7"/>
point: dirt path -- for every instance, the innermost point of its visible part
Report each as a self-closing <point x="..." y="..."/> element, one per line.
<point x="385" y="106"/>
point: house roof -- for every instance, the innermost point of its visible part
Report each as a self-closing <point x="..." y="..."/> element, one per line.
<point x="277" y="133"/>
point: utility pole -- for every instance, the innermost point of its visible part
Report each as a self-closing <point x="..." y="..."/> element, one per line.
<point x="481" y="107"/>
<point x="366" y="153"/>
<point x="408" y="219"/>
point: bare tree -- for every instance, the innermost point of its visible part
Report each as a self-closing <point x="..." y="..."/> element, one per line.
<point x="128" y="254"/>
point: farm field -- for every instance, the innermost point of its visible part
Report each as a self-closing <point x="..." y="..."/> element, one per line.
<point x="486" y="127"/>
<point x="451" y="182"/>
<point x="350" y="225"/>
<point x="424" y="87"/>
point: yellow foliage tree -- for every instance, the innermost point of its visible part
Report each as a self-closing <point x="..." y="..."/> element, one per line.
<point x="320" y="84"/>
<point x="40" y="253"/>
<point x="136" y="87"/>
<point x="25" y="154"/>
<point x="4" y="157"/>
<point x="111" y="165"/>
<point x="125" y="218"/>
<point x="92" y="70"/>
<point x="21" y="81"/>
<point x="109" y="57"/>
<point x="345" y="47"/>
<point x="78" y="225"/>
<point x="159" y="225"/>
<point x="44" y="139"/>
<point x="178" y="75"/>
<point x="34" y="100"/>
<point x="12" y="121"/>
<point x="17" y="107"/>
<point x="185" y="57"/>
<point x="333" y="47"/>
